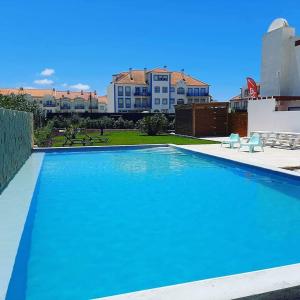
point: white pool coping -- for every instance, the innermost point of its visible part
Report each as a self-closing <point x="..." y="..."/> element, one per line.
<point x="236" y="156"/>
<point x="14" y="206"/>
<point x="222" y="288"/>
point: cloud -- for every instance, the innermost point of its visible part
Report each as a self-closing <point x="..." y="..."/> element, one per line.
<point x="64" y="85"/>
<point x="44" y="81"/>
<point x="80" y="86"/>
<point x="47" y="72"/>
<point x="29" y="88"/>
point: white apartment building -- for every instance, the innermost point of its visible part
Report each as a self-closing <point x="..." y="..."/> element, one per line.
<point x="280" y="69"/>
<point x="157" y="90"/>
<point x="52" y="101"/>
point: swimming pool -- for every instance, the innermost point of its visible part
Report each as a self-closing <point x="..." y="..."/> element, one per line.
<point x="111" y="222"/>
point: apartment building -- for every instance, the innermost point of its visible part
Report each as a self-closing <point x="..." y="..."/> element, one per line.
<point x="156" y="90"/>
<point x="52" y="101"/>
<point x="240" y="102"/>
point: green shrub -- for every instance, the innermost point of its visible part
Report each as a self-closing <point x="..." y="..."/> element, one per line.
<point x="21" y="103"/>
<point x="152" y="125"/>
<point x="43" y="135"/>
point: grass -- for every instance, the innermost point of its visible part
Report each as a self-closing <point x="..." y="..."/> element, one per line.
<point x="136" y="138"/>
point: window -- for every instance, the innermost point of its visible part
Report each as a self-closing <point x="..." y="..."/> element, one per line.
<point x="138" y="102"/>
<point x="164" y="101"/>
<point x="127" y="102"/>
<point x="172" y="89"/>
<point x="120" y="103"/>
<point x="203" y="91"/>
<point x="190" y="101"/>
<point x="164" y="111"/>
<point x="196" y="100"/>
<point x="202" y="100"/>
<point x="172" y="101"/>
<point x="190" y="92"/>
<point x="161" y="77"/>
<point x="120" y="91"/>
<point x="157" y="101"/>
<point x="145" y="103"/>
<point x="137" y="90"/>
<point x="127" y="91"/>
<point x="157" y="89"/>
<point x="164" y="89"/>
<point x="196" y="91"/>
<point x="144" y="89"/>
<point x="180" y="91"/>
<point x="180" y="101"/>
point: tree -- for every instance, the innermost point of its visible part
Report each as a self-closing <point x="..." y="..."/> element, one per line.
<point x="21" y="103"/>
<point x="152" y="125"/>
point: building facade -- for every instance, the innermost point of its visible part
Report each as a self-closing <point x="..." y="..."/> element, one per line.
<point x="240" y="102"/>
<point x="157" y="90"/>
<point x="52" y="101"/>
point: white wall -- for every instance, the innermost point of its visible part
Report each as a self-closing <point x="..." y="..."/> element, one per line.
<point x="280" y="67"/>
<point x="110" y="98"/>
<point x="262" y="116"/>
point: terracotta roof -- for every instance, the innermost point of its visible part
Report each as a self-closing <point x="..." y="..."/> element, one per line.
<point x="177" y="76"/>
<point x="138" y="77"/>
<point x="43" y="92"/>
<point x="33" y="92"/>
<point x="102" y="99"/>
<point x="238" y="97"/>
<point x="159" y="70"/>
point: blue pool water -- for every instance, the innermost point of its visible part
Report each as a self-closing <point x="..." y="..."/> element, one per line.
<point x="119" y="221"/>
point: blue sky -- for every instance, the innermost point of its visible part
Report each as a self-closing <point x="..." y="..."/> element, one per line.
<point x="86" y="41"/>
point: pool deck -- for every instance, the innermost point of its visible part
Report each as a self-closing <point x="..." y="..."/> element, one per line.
<point x="271" y="157"/>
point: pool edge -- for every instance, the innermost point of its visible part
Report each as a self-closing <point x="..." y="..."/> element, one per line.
<point x="222" y="288"/>
<point x="15" y="202"/>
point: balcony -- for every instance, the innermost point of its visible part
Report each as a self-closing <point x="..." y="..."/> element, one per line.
<point x="142" y="106"/>
<point x="192" y="94"/>
<point x="142" y="93"/>
<point x="65" y="107"/>
<point x="49" y="104"/>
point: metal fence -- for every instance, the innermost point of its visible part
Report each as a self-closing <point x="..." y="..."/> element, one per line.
<point x="16" y="134"/>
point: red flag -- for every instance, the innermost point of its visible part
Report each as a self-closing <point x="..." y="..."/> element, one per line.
<point x="252" y="87"/>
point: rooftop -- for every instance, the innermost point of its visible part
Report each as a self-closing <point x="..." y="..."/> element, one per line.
<point x="139" y="77"/>
<point x="40" y="93"/>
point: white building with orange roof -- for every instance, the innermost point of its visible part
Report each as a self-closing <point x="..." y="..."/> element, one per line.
<point x="52" y="101"/>
<point x="157" y="90"/>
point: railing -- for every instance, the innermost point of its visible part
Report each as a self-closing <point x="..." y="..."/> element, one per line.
<point x="65" y="107"/>
<point x="192" y="94"/>
<point x="49" y="105"/>
<point x="79" y="107"/>
<point x="142" y="106"/>
<point x="141" y="93"/>
<point x="93" y="107"/>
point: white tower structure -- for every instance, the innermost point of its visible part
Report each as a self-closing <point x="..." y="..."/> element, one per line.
<point x="280" y="69"/>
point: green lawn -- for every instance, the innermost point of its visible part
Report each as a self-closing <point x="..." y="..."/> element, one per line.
<point x="135" y="138"/>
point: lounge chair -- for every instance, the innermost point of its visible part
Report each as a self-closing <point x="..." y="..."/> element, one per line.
<point x="234" y="138"/>
<point x="97" y="138"/>
<point x="254" y="141"/>
<point x="71" y="139"/>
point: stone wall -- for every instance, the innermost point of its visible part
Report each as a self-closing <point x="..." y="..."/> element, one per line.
<point x="16" y="136"/>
